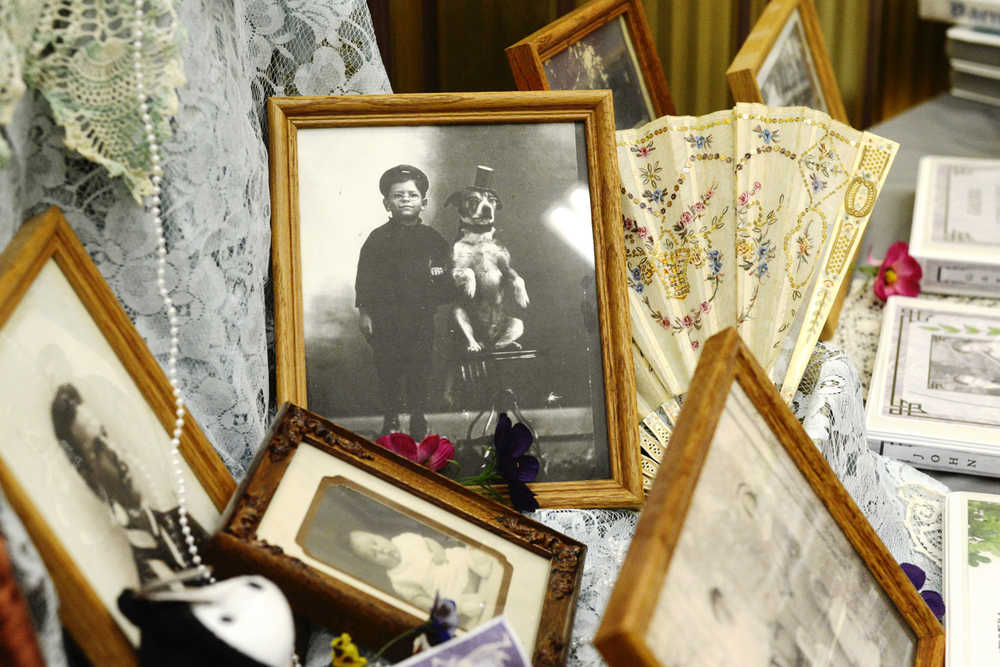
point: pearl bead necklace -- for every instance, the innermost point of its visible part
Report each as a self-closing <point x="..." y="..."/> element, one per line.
<point x="161" y="269"/>
<point x="168" y="304"/>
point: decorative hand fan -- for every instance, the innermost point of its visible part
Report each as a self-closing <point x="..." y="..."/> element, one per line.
<point x="745" y="218"/>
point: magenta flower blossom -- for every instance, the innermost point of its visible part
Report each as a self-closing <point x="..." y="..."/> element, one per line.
<point x="433" y="451"/>
<point x="898" y="274"/>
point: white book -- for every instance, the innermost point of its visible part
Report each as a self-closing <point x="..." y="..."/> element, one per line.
<point x="936" y="380"/>
<point x="956" y="225"/>
<point x="972" y="579"/>
<point x="980" y="13"/>
<point x="962" y="459"/>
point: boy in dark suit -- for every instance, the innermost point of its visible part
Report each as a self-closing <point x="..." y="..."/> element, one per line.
<point x="402" y="279"/>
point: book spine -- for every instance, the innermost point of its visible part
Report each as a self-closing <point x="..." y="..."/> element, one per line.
<point x="940" y="458"/>
<point x="955" y="277"/>
<point x="980" y="13"/>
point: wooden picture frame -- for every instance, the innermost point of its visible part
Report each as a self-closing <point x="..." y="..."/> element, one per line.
<point x="770" y="31"/>
<point x="52" y="294"/>
<point x="326" y="575"/>
<point x="742" y="473"/>
<point x="529" y="56"/>
<point x="313" y="262"/>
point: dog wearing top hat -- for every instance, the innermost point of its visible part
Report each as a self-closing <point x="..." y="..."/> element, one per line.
<point x="482" y="270"/>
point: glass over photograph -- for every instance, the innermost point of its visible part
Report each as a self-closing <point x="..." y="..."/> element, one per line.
<point x="449" y="276"/>
<point x="788" y="75"/>
<point x="87" y="448"/>
<point x="765" y="569"/>
<point x="376" y="541"/>
<point x="605" y="58"/>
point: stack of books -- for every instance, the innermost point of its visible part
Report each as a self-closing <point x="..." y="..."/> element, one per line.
<point x="974" y="54"/>
<point x="934" y="398"/>
<point x="973" y="45"/>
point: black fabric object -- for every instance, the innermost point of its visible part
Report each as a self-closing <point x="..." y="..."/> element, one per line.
<point x="172" y="635"/>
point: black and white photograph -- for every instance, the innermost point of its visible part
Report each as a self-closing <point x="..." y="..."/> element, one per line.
<point x="763" y="571"/>
<point x="88" y="450"/>
<point x="788" y="75"/>
<point x="382" y="539"/>
<point x="449" y="276"/>
<point x="605" y="58"/>
<point x="966" y="365"/>
<point x="376" y="541"/>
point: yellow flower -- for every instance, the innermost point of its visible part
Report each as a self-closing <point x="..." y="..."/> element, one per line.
<point x="345" y="653"/>
<point x="742" y="248"/>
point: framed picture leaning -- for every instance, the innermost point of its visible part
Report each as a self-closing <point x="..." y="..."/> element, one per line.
<point x="784" y="61"/>
<point x="601" y="44"/>
<point x="441" y="259"/>
<point x="89" y="414"/>
<point x="362" y="541"/>
<point x="750" y="546"/>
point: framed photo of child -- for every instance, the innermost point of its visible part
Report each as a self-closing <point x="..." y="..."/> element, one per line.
<point x="603" y="44"/>
<point x="467" y="263"/>
<point x="89" y="415"/>
<point x="363" y="541"/>
<point x="750" y="546"/>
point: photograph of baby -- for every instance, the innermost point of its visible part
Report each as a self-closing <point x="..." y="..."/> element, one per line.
<point x="967" y="365"/>
<point x="449" y="275"/>
<point x="376" y="541"/>
<point x="605" y="59"/>
<point x="788" y="75"/>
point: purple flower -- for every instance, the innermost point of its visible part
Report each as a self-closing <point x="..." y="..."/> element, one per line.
<point x="918" y="578"/>
<point x="514" y="465"/>
<point x="443" y="620"/>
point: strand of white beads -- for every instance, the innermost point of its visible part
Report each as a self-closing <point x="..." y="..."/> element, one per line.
<point x="168" y="304"/>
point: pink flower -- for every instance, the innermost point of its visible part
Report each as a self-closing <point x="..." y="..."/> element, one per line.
<point x="756" y="186"/>
<point x="899" y="273"/>
<point x="706" y="196"/>
<point x="705" y="306"/>
<point x="643" y="151"/>
<point x="744" y="198"/>
<point x="695" y="345"/>
<point x="433" y="451"/>
<point x="698" y="206"/>
<point x="686" y="217"/>
<point x="688" y="321"/>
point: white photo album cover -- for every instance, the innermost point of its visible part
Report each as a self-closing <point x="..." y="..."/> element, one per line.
<point x="937" y="376"/>
<point x="972" y="578"/>
<point x="956" y="225"/>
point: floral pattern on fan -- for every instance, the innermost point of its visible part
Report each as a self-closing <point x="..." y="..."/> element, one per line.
<point x="740" y="218"/>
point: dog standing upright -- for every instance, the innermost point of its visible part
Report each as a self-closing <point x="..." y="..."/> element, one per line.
<point x="482" y="270"/>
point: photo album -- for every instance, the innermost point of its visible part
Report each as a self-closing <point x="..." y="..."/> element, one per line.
<point x="955" y="234"/>
<point x="972" y="577"/>
<point x="935" y="389"/>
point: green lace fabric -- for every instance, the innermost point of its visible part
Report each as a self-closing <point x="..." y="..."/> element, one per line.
<point x="79" y="55"/>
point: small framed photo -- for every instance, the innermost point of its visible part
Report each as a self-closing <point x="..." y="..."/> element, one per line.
<point x="603" y="44"/>
<point x="784" y="62"/>
<point x="936" y="379"/>
<point x="361" y="540"/>
<point x="954" y="233"/>
<point x="468" y="264"/>
<point x="88" y="413"/>
<point x="971" y="572"/>
<point x="750" y="546"/>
